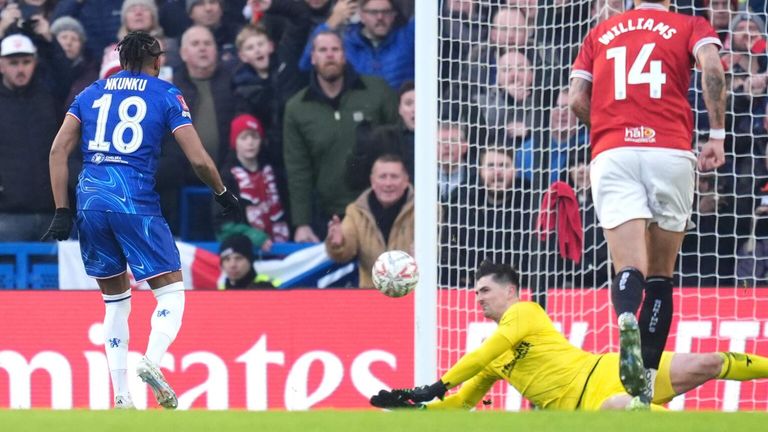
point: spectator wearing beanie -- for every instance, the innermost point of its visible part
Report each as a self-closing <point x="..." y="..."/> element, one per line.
<point x="74" y="68"/>
<point x="142" y="15"/>
<point x="101" y="18"/>
<point x="236" y="257"/>
<point x="70" y="36"/>
<point x="139" y="15"/>
<point x="248" y="175"/>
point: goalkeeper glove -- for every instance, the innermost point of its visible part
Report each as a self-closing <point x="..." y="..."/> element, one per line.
<point x="230" y="205"/>
<point x="428" y="392"/>
<point x="61" y="225"/>
<point x="394" y="399"/>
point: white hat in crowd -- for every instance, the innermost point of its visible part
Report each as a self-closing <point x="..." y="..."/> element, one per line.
<point x="17" y="44"/>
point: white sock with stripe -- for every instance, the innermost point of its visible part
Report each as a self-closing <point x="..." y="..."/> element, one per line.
<point x="166" y="320"/>
<point x="116" y="335"/>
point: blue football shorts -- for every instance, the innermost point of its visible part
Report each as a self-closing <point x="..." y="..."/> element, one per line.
<point x="109" y="240"/>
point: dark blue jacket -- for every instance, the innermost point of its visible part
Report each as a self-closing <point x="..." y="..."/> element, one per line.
<point x="392" y="60"/>
<point x="101" y="19"/>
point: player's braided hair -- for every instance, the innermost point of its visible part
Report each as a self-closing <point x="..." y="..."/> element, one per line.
<point x="136" y="49"/>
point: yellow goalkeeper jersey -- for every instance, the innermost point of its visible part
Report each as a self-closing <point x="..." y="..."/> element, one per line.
<point x="528" y="352"/>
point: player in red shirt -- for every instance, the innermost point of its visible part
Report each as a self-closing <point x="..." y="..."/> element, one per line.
<point x="630" y="84"/>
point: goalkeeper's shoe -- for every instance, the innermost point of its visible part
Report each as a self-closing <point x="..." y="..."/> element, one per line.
<point x="631" y="370"/>
<point x="124" y="402"/>
<point x="150" y="374"/>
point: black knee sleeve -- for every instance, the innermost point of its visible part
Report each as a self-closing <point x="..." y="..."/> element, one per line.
<point x="655" y="319"/>
<point x="627" y="290"/>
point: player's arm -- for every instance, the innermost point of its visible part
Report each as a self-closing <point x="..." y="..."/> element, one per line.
<point x="467" y="367"/>
<point x="580" y="96"/>
<point x="63" y="145"/>
<point x="470" y="393"/>
<point x="201" y="162"/>
<point x="203" y="165"/>
<point x="712" y="154"/>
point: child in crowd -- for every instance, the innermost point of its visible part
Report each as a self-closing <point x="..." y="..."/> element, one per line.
<point x="246" y="174"/>
<point x="254" y="79"/>
<point x="263" y="83"/>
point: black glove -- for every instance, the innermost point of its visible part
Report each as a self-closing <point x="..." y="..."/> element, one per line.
<point x="427" y="393"/>
<point x="230" y="204"/>
<point x="61" y="225"/>
<point x="394" y="399"/>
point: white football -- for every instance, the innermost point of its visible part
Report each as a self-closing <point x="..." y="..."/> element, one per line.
<point x="395" y="273"/>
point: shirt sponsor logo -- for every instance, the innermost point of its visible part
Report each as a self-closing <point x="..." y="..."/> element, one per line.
<point x="640" y="134"/>
<point x="101" y="157"/>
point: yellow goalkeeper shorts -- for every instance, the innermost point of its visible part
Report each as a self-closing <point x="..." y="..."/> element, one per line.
<point x="604" y="383"/>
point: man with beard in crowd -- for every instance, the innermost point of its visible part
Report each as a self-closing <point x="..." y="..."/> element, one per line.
<point x="319" y="133"/>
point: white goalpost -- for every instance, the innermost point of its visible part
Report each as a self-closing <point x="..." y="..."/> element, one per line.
<point x="425" y="307"/>
<point x="494" y="133"/>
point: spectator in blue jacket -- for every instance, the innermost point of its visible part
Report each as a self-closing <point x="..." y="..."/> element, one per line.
<point x="376" y="45"/>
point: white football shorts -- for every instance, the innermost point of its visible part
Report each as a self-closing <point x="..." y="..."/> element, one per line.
<point x="644" y="183"/>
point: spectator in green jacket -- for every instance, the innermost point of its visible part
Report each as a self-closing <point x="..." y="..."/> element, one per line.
<point x="320" y="131"/>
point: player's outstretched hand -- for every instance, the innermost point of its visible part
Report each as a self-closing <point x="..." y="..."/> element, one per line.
<point x="428" y="392"/>
<point x="712" y="155"/>
<point x="394" y="399"/>
<point x="230" y="205"/>
<point x="61" y="225"/>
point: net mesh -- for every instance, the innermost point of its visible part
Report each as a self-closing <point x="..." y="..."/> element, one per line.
<point x="506" y="134"/>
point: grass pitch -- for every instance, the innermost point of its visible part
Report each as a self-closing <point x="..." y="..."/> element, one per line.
<point x="373" y="421"/>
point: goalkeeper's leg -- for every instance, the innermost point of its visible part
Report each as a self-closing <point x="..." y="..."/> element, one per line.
<point x="688" y="371"/>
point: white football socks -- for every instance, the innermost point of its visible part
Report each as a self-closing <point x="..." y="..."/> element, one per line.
<point x="116" y="334"/>
<point x="166" y="320"/>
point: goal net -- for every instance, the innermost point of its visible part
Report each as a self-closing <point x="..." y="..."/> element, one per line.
<point x="505" y="135"/>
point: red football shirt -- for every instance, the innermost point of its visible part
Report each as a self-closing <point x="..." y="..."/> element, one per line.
<point x="639" y="63"/>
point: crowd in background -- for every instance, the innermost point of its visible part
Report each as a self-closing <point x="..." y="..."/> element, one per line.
<point x="308" y="108"/>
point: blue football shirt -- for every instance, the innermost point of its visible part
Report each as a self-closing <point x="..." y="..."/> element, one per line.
<point x="122" y="121"/>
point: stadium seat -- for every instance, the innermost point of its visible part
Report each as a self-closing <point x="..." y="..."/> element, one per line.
<point x="7" y="276"/>
<point x="44" y="276"/>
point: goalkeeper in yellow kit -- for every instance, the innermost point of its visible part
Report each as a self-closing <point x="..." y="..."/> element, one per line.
<point x="528" y="352"/>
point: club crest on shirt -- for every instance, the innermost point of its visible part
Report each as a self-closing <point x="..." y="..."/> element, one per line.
<point x="640" y="134"/>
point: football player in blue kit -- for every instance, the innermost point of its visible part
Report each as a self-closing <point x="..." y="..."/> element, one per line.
<point x="119" y="123"/>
